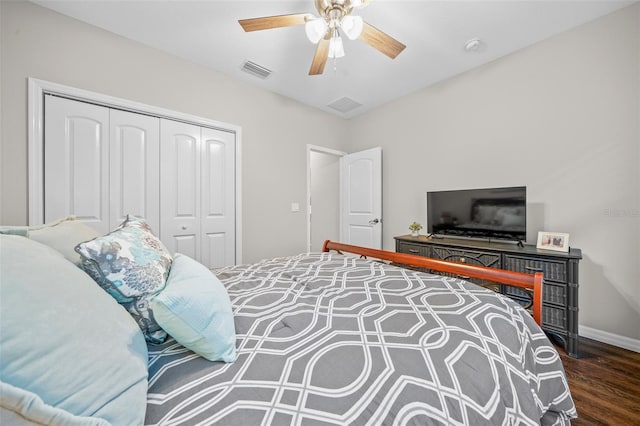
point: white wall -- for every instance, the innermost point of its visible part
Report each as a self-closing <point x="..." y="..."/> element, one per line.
<point x="37" y="42"/>
<point x="561" y="117"/>
<point x="325" y="198"/>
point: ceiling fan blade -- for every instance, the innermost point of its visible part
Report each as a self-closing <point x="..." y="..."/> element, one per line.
<point x="269" y="22"/>
<point x="320" y="57"/>
<point x="381" y="41"/>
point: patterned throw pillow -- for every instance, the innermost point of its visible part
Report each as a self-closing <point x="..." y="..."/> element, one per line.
<point x="131" y="264"/>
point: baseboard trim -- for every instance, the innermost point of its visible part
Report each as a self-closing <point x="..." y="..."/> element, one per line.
<point x="610" y="338"/>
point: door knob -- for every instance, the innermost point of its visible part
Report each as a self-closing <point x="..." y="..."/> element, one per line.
<point x="374" y="221"/>
<point x="184" y="227"/>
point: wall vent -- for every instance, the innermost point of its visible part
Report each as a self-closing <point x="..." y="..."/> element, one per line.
<point x="255" y="69"/>
<point x="344" y="105"/>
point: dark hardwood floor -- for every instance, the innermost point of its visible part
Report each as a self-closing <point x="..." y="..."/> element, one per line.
<point x="604" y="383"/>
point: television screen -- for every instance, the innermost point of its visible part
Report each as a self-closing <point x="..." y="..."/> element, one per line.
<point x="493" y="213"/>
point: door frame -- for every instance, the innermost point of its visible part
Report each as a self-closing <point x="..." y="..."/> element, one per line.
<point x="35" y="142"/>
<point x="321" y="149"/>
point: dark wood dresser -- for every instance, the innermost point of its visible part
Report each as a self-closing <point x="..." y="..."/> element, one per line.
<point x="560" y="289"/>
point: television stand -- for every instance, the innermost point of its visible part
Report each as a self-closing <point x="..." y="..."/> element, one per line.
<point x="560" y="288"/>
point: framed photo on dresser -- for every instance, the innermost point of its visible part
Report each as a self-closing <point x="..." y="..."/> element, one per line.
<point x="557" y="241"/>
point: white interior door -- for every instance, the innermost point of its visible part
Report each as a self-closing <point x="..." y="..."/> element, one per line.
<point x="76" y="162"/>
<point x="180" y="187"/>
<point x="134" y="168"/>
<point x="361" y="190"/>
<point x="218" y="198"/>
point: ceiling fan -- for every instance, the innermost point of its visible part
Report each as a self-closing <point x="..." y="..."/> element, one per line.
<point x="335" y="17"/>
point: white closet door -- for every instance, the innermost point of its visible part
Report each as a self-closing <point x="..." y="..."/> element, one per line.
<point x="135" y="168"/>
<point x="218" y="198"/>
<point x="180" y="187"/>
<point x="76" y="162"/>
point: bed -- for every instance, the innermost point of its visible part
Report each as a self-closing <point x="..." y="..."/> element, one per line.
<point x="325" y="338"/>
<point x="342" y="336"/>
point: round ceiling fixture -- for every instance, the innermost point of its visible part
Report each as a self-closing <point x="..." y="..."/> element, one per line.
<point x="472" y="45"/>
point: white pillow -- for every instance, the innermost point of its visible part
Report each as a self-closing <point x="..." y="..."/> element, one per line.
<point x="64" y="235"/>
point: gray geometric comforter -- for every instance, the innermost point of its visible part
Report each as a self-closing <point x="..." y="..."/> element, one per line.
<point x="327" y="339"/>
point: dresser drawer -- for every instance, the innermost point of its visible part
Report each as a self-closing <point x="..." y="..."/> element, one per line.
<point x="410" y="248"/>
<point x="551" y="293"/>
<point x="555" y="317"/>
<point x="478" y="258"/>
<point x="553" y="270"/>
<point x="554" y="293"/>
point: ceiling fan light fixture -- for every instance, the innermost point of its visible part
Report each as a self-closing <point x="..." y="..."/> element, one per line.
<point x="315" y="29"/>
<point x="352" y="26"/>
<point x="336" y="48"/>
<point x="324" y="31"/>
<point x="358" y="3"/>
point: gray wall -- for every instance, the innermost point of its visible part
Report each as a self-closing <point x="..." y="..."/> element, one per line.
<point x="561" y="117"/>
<point x="37" y="42"/>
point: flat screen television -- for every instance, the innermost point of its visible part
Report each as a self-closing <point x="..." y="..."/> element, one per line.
<point x="488" y="213"/>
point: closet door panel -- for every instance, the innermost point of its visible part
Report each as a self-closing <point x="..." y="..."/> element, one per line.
<point x="180" y="187"/>
<point x="135" y="168"/>
<point x="76" y="162"/>
<point x="218" y="198"/>
<point x="214" y="252"/>
<point x="186" y="244"/>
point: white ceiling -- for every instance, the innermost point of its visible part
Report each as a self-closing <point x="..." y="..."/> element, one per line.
<point x="208" y="33"/>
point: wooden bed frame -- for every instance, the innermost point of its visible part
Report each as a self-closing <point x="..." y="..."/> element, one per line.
<point x="532" y="283"/>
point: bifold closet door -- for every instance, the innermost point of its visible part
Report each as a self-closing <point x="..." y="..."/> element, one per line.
<point x="218" y="198"/>
<point x="134" y="153"/>
<point x="76" y="162"/>
<point x="100" y="164"/>
<point x="197" y="192"/>
<point x="180" y="187"/>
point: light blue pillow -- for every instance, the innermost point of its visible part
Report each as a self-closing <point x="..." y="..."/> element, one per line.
<point x="131" y="264"/>
<point x="22" y="231"/>
<point x="65" y="340"/>
<point x="19" y="406"/>
<point x="195" y="309"/>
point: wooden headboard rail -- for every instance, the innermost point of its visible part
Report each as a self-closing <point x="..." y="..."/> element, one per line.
<point x="531" y="282"/>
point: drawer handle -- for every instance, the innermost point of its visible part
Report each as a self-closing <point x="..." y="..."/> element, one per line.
<point x="531" y="268"/>
<point x="414" y="251"/>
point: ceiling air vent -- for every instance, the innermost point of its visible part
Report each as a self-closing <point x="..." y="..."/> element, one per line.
<point x="255" y="69"/>
<point x="344" y="105"/>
